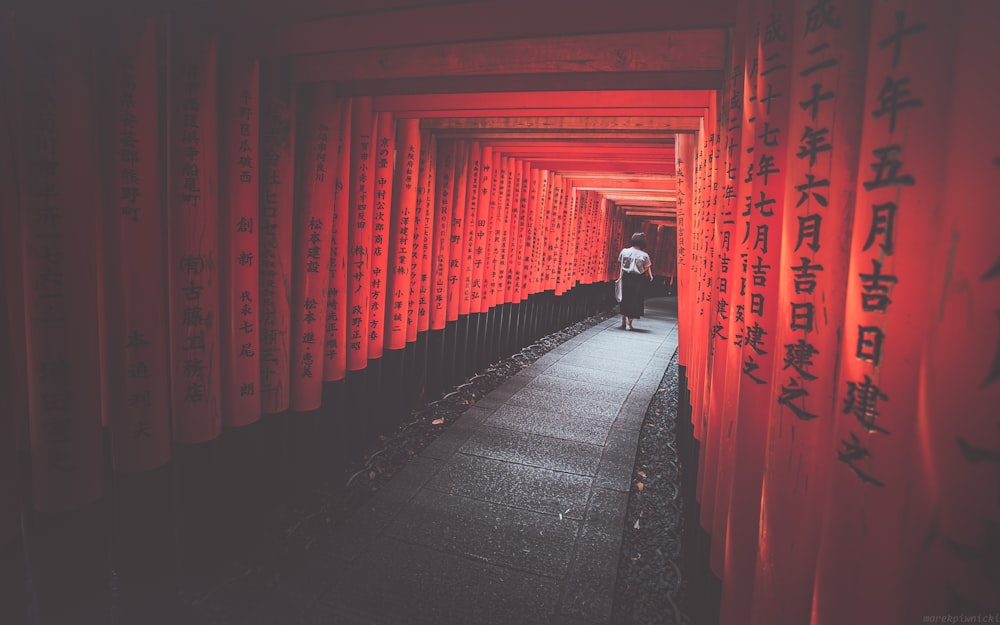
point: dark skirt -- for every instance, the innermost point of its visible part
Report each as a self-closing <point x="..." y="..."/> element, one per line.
<point x="633" y="294"/>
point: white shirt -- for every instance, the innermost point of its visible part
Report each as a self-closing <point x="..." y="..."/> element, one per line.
<point x="634" y="260"/>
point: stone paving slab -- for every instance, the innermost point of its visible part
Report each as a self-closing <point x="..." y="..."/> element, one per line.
<point x="616" y="343"/>
<point x="449" y="441"/>
<point x="493" y="401"/>
<point x="500" y="596"/>
<point x="573" y="388"/>
<point x="408" y="584"/>
<point x="520" y="486"/>
<point x="561" y="402"/>
<point x="613" y="354"/>
<point x="623" y="344"/>
<point x="511" y="537"/>
<point x="534" y="421"/>
<point x="539" y="451"/>
<point x="589" y="375"/>
<point x="615" y="471"/>
<point x="632" y="366"/>
<point x="629" y="417"/>
<point x="620" y="335"/>
<point x="590" y="586"/>
<point x="514" y="515"/>
<point x="364" y="527"/>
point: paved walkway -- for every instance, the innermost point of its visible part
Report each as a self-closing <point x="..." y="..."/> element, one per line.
<point x="515" y="514"/>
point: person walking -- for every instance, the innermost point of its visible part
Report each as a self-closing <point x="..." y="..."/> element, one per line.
<point x="635" y="269"/>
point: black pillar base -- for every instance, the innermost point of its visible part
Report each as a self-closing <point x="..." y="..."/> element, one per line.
<point x="704" y="588"/>
<point x="374" y="399"/>
<point x="305" y="450"/>
<point x="462" y="354"/>
<point x="521" y="325"/>
<point x="69" y="556"/>
<point x="14" y="600"/>
<point x="493" y="320"/>
<point x="143" y="547"/>
<point x="202" y="535"/>
<point x="549" y="305"/>
<point x="356" y="415"/>
<point x="272" y="445"/>
<point x="334" y="443"/>
<point x="435" y="370"/>
<point x="510" y="342"/>
<point x="418" y="371"/>
<point x="392" y="389"/>
<point x="537" y="302"/>
<point x="448" y="360"/>
<point x="475" y="343"/>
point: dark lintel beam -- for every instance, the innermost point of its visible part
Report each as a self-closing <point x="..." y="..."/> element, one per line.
<point x="568" y="81"/>
<point x="656" y="51"/>
<point x="324" y="26"/>
<point x="657" y="124"/>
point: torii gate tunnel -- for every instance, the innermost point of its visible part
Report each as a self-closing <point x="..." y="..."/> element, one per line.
<point x="238" y="246"/>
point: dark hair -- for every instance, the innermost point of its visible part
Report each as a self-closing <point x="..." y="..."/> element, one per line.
<point x="639" y="240"/>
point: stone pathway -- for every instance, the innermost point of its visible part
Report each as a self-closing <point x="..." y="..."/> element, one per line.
<point x="514" y="515"/>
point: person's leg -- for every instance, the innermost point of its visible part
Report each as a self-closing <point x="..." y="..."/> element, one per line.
<point x="623" y="322"/>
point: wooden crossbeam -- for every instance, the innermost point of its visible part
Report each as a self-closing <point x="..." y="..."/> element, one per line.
<point x="598" y="167"/>
<point x="665" y="208"/>
<point x="556" y="112"/>
<point x="661" y="149"/>
<point x="666" y="205"/>
<point x="668" y="195"/>
<point x="583" y="157"/>
<point x="554" y="82"/>
<point x="317" y="26"/>
<point x="595" y="152"/>
<point x="576" y="175"/>
<point x="297" y="12"/>
<point x="598" y="183"/>
<point x="650" y="211"/>
<point x="655" y="51"/>
<point x="493" y="99"/>
<point x="527" y="142"/>
<point x="608" y="147"/>
<point x="535" y="135"/>
<point x="565" y="123"/>
<point x="622" y="197"/>
<point x="592" y="154"/>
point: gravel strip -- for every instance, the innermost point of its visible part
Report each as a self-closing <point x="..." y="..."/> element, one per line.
<point x="650" y="588"/>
